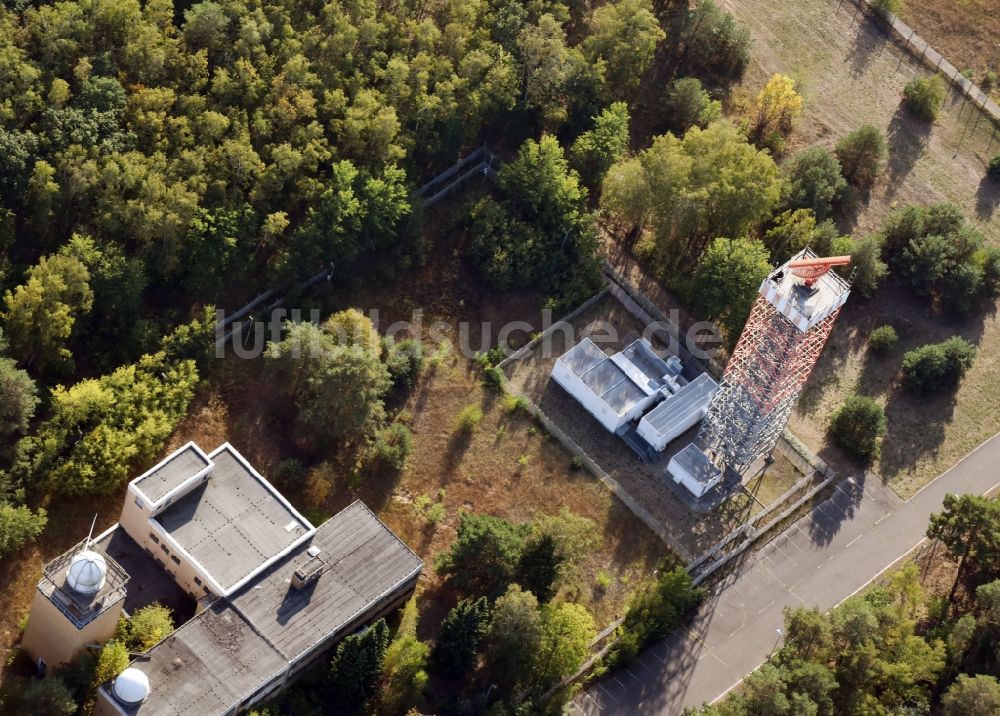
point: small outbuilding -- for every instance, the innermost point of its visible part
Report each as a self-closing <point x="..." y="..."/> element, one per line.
<point x="615" y="389"/>
<point x="678" y="412"/>
<point x="692" y="468"/>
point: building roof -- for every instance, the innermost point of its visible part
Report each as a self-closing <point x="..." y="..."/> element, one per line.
<point x="82" y="607"/>
<point x="802" y="307"/>
<point x="240" y="643"/>
<point x="148" y="581"/>
<point x="693" y="397"/>
<point x="174" y="471"/>
<point x="696" y="464"/>
<point x="615" y="380"/>
<point x="234" y="523"/>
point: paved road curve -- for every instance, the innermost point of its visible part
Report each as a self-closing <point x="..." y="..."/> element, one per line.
<point x="831" y="553"/>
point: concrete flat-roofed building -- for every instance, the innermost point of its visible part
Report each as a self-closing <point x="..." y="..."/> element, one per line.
<point x="208" y="536"/>
<point x="614" y="389"/>
<point x="245" y="647"/>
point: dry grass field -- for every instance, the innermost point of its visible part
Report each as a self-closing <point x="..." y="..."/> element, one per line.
<point x="964" y="31"/>
<point x="851" y="74"/>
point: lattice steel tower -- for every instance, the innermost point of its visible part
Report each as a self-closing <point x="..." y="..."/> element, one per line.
<point x="791" y="319"/>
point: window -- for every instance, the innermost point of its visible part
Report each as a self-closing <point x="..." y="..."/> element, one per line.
<point x="174" y="557"/>
<point x="206" y="589"/>
<point x="138" y="502"/>
<point x="164" y="548"/>
<point x="156" y="540"/>
<point x="197" y="581"/>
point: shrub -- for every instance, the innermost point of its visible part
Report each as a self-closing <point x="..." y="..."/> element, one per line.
<point x="883" y="8"/>
<point x="291" y="471"/>
<point x="469" y="418"/>
<point x="392" y="446"/>
<point x="938" y="365"/>
<point x="815" y="182"/>
<point x="145" y="627"/>
<point x="994" y="168"/>
<point x="655" y="611"/>
<point x="404" y="360"/>
<point x="861" y="154"/>
<point x="857" y="427"/>
<point x="923" y="97"/>
<point x="883" y="340"/>
<point x="514" y="403"/>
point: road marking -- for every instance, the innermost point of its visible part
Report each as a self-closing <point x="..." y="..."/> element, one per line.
<point x="767" y="607"/>
<point x="879" y="520"/>
<point x="855" y="539"/>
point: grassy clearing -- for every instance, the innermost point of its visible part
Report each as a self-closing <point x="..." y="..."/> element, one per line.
<point x="964" y="31"/>
<point x="776" y="479"/>
<point x="851" y="73"/>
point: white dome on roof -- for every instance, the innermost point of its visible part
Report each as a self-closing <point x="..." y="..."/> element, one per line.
<point x="87" y="572"/>
<point x="131" y="686"/>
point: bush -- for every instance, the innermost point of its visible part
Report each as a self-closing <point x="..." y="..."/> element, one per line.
<point x="469" y="418"/>
<point x="716" y="46"/>
<point x="404" y="360"/>
<point x="145" y="627"/>
<point x="656" y="610"/>
<point x="815" y="182"/>
<point x="883" y="8"/>
<point x="688" y="105"/>
<point x="923" y="97"/>
<point x="861" y="154"/>
<point x="857" y="427"/>
<point x="883" y="340"/>
<point x="867" y="266"/>
<point x="392" y="446"/>
<point x="994" y="168"/>
<point x="938" y="365"/>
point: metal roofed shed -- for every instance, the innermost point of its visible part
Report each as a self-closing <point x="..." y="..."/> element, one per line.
<point x="234" y="523"/>
<point x="678" y="412"/>
<point x="244" y="647"/>
<point x="692" y="468"/>
<point x="614" y="389"/>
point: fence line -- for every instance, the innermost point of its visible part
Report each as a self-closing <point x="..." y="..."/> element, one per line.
<point x="931" y="58"/>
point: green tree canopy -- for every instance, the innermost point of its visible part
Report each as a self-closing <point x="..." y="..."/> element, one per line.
<point x="977" y="695"/>
<point x="454" y="652"/>
<point x="404" y="671"/>
<point x="594" y="151"/>
<point x="710" y="183"/>
<point x="514" y="637"/>
<point x="936" y="366"/>
<point x="484" y="556"/>
<point x="145" y="627"/>
<point x="861" y="154"/>
<point x="858" y="426"/>
<point x="726" y="280"/>
<point x="356" y="666"/>
<point x="623" y="36"/>
<point x="815" y="182"/>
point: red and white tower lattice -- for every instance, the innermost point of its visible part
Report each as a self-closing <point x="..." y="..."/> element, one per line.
<point x="789" y="324"/>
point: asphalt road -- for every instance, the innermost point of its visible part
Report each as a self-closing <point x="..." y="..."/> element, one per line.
<point x="827" y="556"/>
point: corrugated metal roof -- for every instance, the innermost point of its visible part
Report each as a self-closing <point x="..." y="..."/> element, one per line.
<point x="624" y="396"/>
<point x="583" y="356"/>
<point x="692" y="397"/>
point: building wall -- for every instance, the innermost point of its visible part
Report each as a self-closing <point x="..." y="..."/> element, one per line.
<point x="53" y="637"/>
<point x="586" y="397"/>
<point x="136" y="521"/>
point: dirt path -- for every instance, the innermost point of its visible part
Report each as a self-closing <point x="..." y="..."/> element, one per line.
<point x="852" y="74"/>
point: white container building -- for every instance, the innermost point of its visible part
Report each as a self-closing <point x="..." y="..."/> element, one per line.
<point x="678" y="412"/>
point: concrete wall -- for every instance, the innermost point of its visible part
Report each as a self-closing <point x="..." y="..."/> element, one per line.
<point x="53" y="637"/>
<point x="586" y="397"/>
<point x="136" y="521"/>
